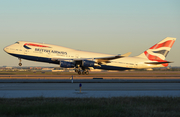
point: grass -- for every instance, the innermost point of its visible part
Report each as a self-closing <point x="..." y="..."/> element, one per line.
<point x="91" y="107"/>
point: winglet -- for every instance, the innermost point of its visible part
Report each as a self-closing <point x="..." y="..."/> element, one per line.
<point x="127" y="54"/>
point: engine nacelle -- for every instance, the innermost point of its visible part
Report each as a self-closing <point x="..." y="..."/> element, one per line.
<point x="66" y="64"/>
<point x="86" y="63"/>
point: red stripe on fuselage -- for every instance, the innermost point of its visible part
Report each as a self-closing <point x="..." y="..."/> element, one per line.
<point x="168" y="43"/>
<point x="37" y="45"/>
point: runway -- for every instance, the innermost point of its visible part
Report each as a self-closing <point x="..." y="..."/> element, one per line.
<point x="135" y="83"/>
<point x="97" y="90"/>
<point x="90" y="80"/>
<point x="94" y="77"/>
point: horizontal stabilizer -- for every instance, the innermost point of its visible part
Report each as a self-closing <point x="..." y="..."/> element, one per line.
<point x="163" y="62"/>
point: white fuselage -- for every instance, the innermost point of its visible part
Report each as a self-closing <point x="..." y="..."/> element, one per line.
<point x="26" y="50"/>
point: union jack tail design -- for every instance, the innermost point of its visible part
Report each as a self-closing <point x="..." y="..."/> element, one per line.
<point x="159" y="51"/>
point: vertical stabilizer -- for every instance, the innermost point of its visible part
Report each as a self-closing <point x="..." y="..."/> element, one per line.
<point x="159" y="51"/>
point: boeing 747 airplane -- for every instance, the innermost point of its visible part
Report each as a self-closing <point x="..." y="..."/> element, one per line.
<point x="82" y="61"/>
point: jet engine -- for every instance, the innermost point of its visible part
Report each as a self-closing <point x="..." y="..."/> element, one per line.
<point x="66" y="64"/>
<point x="86" y="63"/>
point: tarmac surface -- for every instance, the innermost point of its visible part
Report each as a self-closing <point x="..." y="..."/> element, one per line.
<point x="97" y="90"/>
<point x="90" y="80"/>
<point x="122" y="75"/>
<point x="133" y="83"/>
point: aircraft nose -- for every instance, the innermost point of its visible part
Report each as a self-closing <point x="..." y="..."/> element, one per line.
<point x="6" y="49"/>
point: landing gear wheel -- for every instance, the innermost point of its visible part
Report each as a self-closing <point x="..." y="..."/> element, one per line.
<point x="76" y="70"/>
<point x="79" y="72"/>
<point x="87" y="72"/>
<point x="84" y="72"/>
<point x="20" y="64"/>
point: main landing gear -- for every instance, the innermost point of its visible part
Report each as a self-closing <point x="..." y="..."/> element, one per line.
<point x="83" y="71"/>
<point x="20" y="64"/>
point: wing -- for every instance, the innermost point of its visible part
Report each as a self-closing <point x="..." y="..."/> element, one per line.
<point x="98" y="60"/>
<point x="107" y="59"/>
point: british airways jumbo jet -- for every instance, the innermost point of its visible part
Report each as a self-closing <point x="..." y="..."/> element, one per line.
<point x="82" y="61"/>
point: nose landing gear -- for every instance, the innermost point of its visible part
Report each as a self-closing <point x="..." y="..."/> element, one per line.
<point x="20" y="64"/>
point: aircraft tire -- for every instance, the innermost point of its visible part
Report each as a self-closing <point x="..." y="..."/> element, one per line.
<point x="79" y="72"/>
<point x="20" y="64"/>
<point x="87" y="72"/>
<point x="83" y="72"/>
<point x="76" y="70"/>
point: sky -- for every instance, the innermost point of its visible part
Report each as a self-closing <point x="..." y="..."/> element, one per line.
<point x="103" y="26"/>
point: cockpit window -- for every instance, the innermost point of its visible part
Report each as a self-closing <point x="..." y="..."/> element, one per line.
<point x="17" y="42"/>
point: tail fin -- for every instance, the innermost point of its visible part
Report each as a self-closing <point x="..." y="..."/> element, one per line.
<point x="159" y="51"/>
